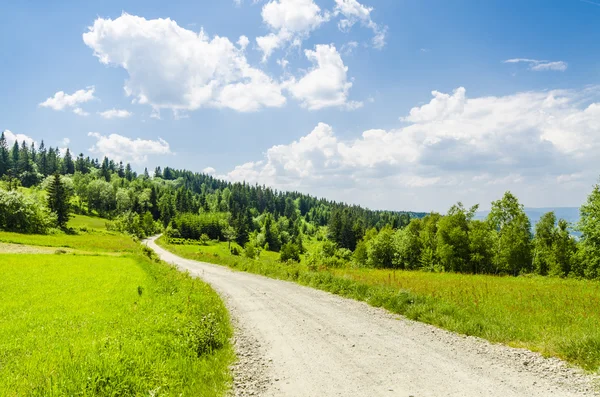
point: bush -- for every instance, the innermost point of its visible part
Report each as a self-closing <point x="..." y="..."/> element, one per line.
<point x="251" y="251"/>
<point x="235" y="250"/>
<point x="19" y="213"/>
<point x="289" y="252"/>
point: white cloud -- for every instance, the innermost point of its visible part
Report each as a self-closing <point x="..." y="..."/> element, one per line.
<point x="326" y="84"/>
<point x="61" y="101"/>
<point x="80" y="112"/>
<point x="11" y="137"/>
<point x="121" y="148"/>
<point x="289" y="21"/>
<point x="243" y="42"/>
<point x="539" y="65"/>
<point x="209" y="171"/>
<point x="354" y="12"/>
<point x="174" y="68"/>
<point x="115" y="114"/>
<point x="453" y="148"/>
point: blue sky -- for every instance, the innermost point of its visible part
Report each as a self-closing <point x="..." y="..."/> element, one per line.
<point x="351" y="115"/>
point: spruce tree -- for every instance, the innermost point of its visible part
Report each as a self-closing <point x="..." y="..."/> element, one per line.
<point x="68" y="165"/>
<point x="59" y="201"/>
<point x="4" y="156"/>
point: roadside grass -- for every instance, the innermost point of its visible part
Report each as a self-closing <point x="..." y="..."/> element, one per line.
<point x="555" y="317"/>
<point x="118" y="323"/>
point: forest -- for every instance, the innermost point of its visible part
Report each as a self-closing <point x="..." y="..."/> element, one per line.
<point x="191" y="208"/>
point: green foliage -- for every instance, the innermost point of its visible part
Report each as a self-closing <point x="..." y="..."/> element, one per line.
<point x="24" y="214"/>
<point x="512" y="251"/>
<point x="251" y="250"/>
<point x="381" y="250"/>
<point x="135" y="225"/>
<point x="289" y="252"/>
<point x="59" y="198"/>
<point x="589" y="226"/>
<point x="193" y="226"/>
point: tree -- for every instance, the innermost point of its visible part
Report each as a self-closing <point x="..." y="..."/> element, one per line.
<point x="59" y="201"/>
<point x="512" y="253"/>
<point x="543" y="243"/>
<point x="381" y="250"/>
<point x="105" y="170"/>
<point x="271" y="234"/>
<point x="230" y="234"/>
<point x="453" y="249"/>
<point x="589" y="226"/>
<point x="68" y="164"/>
<point x="4" y="155"/>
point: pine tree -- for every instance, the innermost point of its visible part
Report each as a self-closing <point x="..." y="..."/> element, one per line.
<point x="128" y="172"/>
<point x="15" y="159"/>
<point x="59" y="201"/>
<point x="68" y="165"/>
<point x="42" y="160"/>
<point x="105" y="170"/>
<point x="4" y="156"/>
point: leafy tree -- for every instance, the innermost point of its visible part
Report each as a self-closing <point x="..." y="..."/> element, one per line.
<point x="544" y="243"/>
<point x="589" y="226"/>
<point x="59" y="201"/>
<point x="565" y="250"/>
<point x="381" y="250"/>
<point x="481" y="247"/>
<point x="512" y="253"/>
<point x="453" y="245"/>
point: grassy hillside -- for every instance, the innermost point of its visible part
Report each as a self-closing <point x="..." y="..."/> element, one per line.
<point x="557" y="317"/>
<point x="107" y="319"/>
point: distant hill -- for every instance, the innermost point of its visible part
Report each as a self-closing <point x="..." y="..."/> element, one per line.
<point x="570" y="214"/>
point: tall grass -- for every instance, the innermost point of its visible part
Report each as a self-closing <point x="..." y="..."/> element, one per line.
<point x="556" y="317"/>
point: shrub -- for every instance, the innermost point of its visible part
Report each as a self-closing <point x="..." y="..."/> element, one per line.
<point x="251" y="251"/>
<point x="289" y="252"/>
<point x="134" y="224"/>
<point x="235" y="250"/>
<point x="19" y="213"/>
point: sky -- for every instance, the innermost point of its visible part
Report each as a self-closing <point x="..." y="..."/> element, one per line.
<point x="390" y="104"/>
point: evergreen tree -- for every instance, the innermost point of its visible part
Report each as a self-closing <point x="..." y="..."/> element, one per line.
<point x="4" y="156"/>
<point x="68" y="165"/>
<point x="15" y="158"/>
<point x="59" y="201"/>
<point x="42" y="159"/>
<point x="80" y="164"/>
<point x="105" y="170"/>
<point x="128" y="172"/>
<point x="121" y="170"/>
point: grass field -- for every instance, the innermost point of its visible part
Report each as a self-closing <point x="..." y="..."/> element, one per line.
<point x="115" y="323"/>
<point x="556" y="317"/>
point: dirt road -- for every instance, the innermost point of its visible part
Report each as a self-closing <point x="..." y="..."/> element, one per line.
<point x="297" y="341"/>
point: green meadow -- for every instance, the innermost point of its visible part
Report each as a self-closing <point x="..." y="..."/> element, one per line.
<point x="107" y="318"/>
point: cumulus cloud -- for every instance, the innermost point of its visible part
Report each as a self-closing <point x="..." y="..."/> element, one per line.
<point x="174" y="68"/>
<point x="121" y="148"/>
<point x="209" y="171"/>
<point x="539" y="65"/>
<point x="452" y="148"/>
<point x="353" y="12"/>
<point x="11" y="137"/>
<point x="115" y="114"/>
<point x="61" y="101"/>
<point x="289" y="21"/>
<point x="326" y="84"/>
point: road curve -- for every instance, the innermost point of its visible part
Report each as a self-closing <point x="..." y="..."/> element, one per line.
<point x="312" y="343"/>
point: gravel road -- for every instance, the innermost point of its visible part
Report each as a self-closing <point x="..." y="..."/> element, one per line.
<point x="297" y="341"/>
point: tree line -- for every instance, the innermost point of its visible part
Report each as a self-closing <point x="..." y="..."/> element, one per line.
<point x="190" y="205"/>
